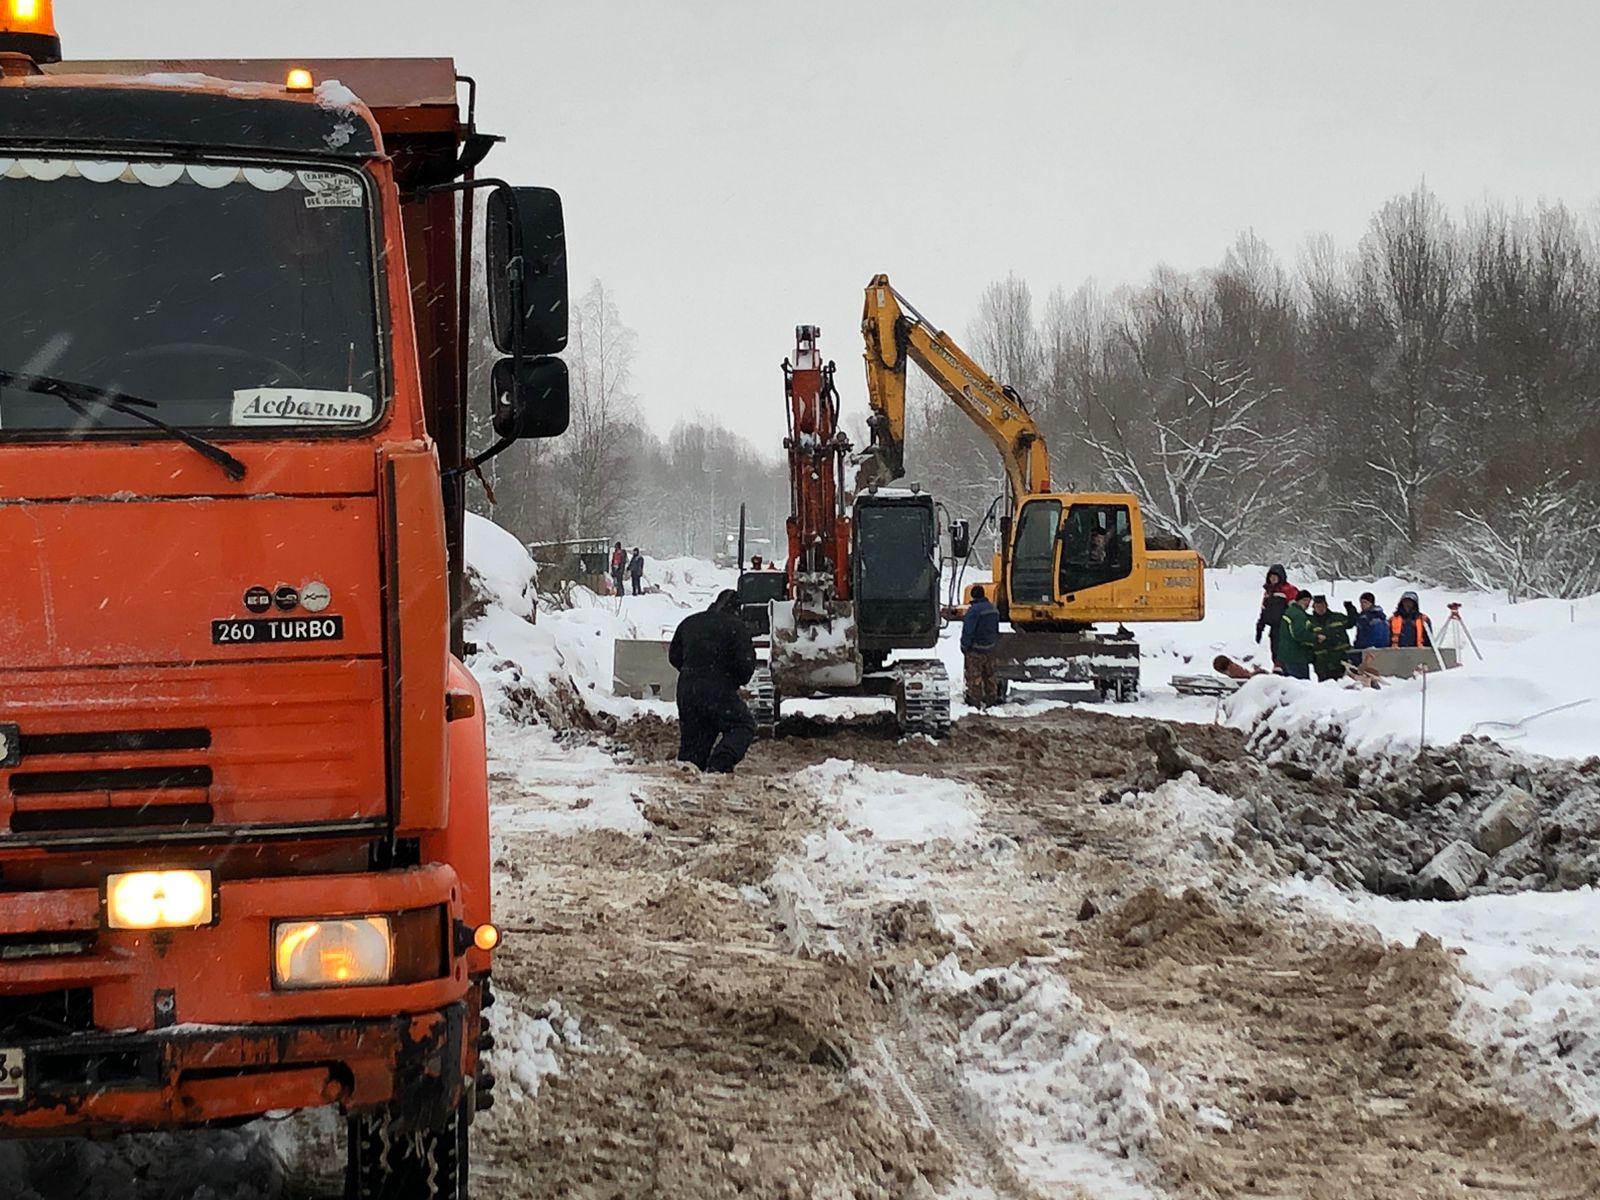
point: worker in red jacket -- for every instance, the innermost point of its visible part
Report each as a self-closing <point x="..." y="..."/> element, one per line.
<point x="1278" y="594"/>
<point x="1410" y="625"/>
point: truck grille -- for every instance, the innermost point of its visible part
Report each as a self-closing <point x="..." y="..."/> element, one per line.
<point x="114" y="741"/>
<point x="99" y="796"/>
<point x="202" y="753"/>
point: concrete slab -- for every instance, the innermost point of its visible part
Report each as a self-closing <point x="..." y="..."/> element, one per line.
<point x="640" y="669"/>
<point x="1402" y="662"/>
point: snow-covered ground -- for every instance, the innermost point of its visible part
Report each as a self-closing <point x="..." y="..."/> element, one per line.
<point x="1535" y="688"/>
<point x="1075" y="1098"/>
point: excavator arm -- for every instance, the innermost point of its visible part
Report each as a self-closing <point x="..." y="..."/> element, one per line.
<point x="894" y="331"/>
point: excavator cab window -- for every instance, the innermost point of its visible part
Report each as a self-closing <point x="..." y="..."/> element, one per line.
<point x="896" y="569"/>
<point x="1096" y="546"/>
<point x="1033" y="555"/>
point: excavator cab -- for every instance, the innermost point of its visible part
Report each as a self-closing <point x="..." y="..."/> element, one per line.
<point x="1075" y="559"/>
<point x="895" y="570"/>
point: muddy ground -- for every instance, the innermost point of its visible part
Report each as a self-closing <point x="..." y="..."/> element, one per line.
<point x="731" y="1049"/>
<point x="699" y="1028"/>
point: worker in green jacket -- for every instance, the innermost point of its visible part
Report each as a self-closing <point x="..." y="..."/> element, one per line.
<point x="1297" y="641"/>
<point x="1332" y="632"/>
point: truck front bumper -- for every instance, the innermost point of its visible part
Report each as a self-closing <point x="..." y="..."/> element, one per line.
<point x="152" y="1030"/>
<point x="186" y="1077"/>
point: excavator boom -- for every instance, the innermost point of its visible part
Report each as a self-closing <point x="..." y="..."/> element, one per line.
<point x="895" y="331"/>
<point x="1063" y="562"/>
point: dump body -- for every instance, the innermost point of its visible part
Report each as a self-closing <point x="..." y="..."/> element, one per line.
<point x="245" y="677"/>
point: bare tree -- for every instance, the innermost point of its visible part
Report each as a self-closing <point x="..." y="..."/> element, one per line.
<point x="1409" y="282"/>
<point x="1203" y="470"/>
<point x="1541" y="543"/>
<point x="1003" y="338"/>
<point x="600" y="359"/>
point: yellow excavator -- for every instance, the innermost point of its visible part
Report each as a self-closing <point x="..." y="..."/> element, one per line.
<point x="1064" y="561"/>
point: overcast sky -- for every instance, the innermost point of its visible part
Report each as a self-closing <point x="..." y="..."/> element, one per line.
<point x="734" y="167"/>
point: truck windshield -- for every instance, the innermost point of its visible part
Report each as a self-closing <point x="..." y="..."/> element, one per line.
<point x="235" y="298"/>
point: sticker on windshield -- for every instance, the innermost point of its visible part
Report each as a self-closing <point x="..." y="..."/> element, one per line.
<point x="331" y="189"/>
<point x="300" y="406"/>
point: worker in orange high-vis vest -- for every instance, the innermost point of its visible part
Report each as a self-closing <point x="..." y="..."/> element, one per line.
<point x="1410" y="626"/>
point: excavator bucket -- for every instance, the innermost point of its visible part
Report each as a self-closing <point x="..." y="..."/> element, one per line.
<point x="815" y="648"/>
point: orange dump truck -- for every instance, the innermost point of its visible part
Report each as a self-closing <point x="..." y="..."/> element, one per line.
<point x="244" y="855"/>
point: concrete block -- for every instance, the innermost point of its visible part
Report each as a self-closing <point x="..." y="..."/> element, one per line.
<point x="1452" y="872"/>
<point x="640" y="669"/>
<point x="1402" y="662"/>
<point x="1506" y="821"/>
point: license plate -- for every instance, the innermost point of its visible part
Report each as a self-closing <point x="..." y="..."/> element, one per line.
<point x="13" y="1075"/>
<point x="267" y="631"/>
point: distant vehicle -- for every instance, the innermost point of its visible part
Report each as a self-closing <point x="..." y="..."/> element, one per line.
<point x="727" y="554"/>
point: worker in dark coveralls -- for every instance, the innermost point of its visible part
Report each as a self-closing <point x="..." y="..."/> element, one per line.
<point x="715" y="657"/>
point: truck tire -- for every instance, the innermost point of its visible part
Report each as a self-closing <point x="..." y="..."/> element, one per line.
<point x="427" y="1164"/>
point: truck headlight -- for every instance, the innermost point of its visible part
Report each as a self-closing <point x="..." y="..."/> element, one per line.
<point x="158" y="899"/>
<point x="338" y="952"/>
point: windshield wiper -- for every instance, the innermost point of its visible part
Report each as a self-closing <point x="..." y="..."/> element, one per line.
<point x="77" y="395"/>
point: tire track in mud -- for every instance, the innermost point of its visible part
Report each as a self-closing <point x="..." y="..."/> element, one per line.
<point x="734" y="1051"/>
<point x="716" y="1062"/>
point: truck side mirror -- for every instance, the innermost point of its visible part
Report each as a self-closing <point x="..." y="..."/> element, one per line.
<point x="526" y="254"/>
<point x="530" y="398"/>
<point x="960" y="539"/>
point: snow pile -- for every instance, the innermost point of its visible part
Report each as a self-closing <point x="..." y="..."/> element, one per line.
<point x="561" y="659"/>
<point x="517" y="662"/>
<point x="881" y="826"/>
<point x="690" y="582"/>
<point x="1071" y="1098"/>
<point x="499" y="568"/>
<point x="891" y="806"/>
<point x="1540" y="696"/>
<point x="1531" y="999"/>
<point x="1535" y="653"/>
<point x="527" y="1047"/>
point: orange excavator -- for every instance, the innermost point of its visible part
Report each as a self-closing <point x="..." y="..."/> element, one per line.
<point x="244" y="829"/>
<point x="862" y="581"/>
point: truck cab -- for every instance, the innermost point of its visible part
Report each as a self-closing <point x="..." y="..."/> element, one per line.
<point x="243" y="804"/>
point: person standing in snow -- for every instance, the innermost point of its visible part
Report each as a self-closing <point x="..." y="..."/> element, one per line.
<point x="980" y="635"/>
<point x="1371" y="624"/>
<point x="1279" y="593"/>
<point x="714" y="657"/>
<point x="619" y="564"/>
<point x="1410" y="625"/>
<point x="1297" y="641"/>
<point x="1332" y="631"/>
<point x="636" y="570"/>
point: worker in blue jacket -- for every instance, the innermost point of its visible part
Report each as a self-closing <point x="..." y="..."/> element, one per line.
<point x="1372" y="623"/>
<point x="980" y="637"/>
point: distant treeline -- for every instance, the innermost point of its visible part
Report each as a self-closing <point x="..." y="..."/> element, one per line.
<point x="610" y="476"/>
<point x="1426" y="403"/>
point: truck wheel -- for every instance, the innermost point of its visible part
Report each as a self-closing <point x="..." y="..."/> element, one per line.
<point x="427" y="1164"/>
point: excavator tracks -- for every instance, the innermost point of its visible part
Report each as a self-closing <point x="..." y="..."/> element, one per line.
<point x="763" y="700"/>
<point x="922" y="697"/>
